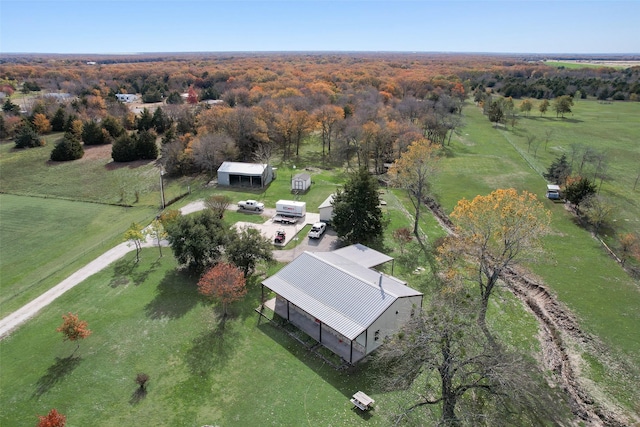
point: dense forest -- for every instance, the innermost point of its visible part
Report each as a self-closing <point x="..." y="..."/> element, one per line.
<point x="365" y="109"/>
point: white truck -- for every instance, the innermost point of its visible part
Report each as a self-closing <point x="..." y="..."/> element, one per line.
<point x="251" y="205"/>
<point x="289" y="211"/>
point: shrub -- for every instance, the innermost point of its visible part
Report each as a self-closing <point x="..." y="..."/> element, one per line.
<point x="124" y="149"/>
<point x="67" y="149"/>
<point x="27" y="137"/>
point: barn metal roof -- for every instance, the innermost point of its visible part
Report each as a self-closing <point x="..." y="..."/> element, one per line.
<point x="239" y="168"/>
<point x="344" y="295"/>
<point x="363" y="255"/>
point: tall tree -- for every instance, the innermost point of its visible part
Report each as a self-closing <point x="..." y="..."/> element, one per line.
<point x="135" y="234"/>
<point x="526" y="106"/>
<point x="562" y="105"/>
<point x="41" y="124"/>
<point x="413" y="172"/>
<point x="52" y="419"/>
<point x="58" y="120"/>
<point x="328" y="116"/>
<point x="577" y="190"/>
<point x="73" y="328"/>
<point x="247" y="248"/>
<point x="158" y="233"/>
<point x="559" y="171"/>
<point x="494" y="232"/>
<point x="496" y="112"/>
<point x="544" y="106"/>
<point x="223" y="282"/>
<point x="357" y="217"/>
<point x="440" y="360"/>
<point x="197" y="240"/>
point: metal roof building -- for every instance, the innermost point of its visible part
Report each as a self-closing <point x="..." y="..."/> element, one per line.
<point x="341" y="302"/>
<point x="245" y="174"/>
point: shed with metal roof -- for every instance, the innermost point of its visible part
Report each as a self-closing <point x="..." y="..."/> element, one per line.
<point x="344" y="305"/>
<point x="245" y="174"/>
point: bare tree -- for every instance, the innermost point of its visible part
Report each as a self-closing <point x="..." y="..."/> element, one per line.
<point x="440" y="358"/>
<point x="598" y="211"/>
<point x="211" y="149"/>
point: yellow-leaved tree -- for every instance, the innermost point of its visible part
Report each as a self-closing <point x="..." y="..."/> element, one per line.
<point x="492" y="233"/>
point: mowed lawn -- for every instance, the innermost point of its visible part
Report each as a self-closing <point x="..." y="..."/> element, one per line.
<point x="575" y="266"/>
<point x="45" y="240"/>
<point x="149" y="318"/>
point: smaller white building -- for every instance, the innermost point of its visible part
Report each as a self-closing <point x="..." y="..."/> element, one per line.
<point x="326" y="209"/>
<point x="126" y="97"/>
<point x="300" y="182"/>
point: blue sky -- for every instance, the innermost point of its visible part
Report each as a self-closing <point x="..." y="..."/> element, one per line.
<point x="133" y="26"/>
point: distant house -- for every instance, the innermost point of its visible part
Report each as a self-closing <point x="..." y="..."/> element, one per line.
<point x="245" y="174"/>
<point x="301" y="182"/>
<point x="340" y="301"/>
<point x="126" y="97"/>
<point x="326" y="209"/>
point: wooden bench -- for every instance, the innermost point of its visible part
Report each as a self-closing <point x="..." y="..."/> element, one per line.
<point x="362" y="401"/>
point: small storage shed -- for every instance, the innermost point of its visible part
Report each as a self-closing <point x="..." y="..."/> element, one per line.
<point x="300" y="182"/>
<point x="326" y="209"/>
<point x="245" y="174"/>
<point x="342" y="303"/>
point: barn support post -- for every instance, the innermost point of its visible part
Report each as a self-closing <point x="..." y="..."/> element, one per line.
<point x="351" y="353"/>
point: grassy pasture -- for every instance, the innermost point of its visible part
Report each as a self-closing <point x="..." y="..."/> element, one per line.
<point x="575" y="266"/>
<point x="147" y="317"/>
<point x="45" y="240"/>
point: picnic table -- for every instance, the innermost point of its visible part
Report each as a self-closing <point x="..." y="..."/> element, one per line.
<point x="362" y="401"/>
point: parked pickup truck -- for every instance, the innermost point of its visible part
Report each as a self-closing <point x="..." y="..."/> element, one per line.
<point x="285" y="219"/>
<point x="251" y="205"/>
<point x="317" y="230"/>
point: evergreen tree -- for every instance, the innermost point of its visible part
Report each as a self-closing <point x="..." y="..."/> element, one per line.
<point x="113" y="126"/>
<point x="10" y="107"/>
<point x="145" y="121"/>
<point x="94" y="134"/>
<point x="579" y="190"/>
<point x="67" y="149"/>
<point x="160" y="121"/>
<point x="357" y="217"/>
<point x="58" y="120"/>
<point x="124" y="149"/>
<point x="146" y="147"/>
<point x="28" y="137"/>
<point x="559" y="171"/>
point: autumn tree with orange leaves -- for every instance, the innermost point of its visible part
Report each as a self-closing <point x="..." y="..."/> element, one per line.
<point x="492" y="233"/>
<point x="225" y="283"/>
<point x="73" y="328"/>
<point x="413" y="172"/>
<point x="52" y="419"/>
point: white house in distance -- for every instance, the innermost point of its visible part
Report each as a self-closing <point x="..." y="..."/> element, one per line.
<point x="126" y="97"/>
<point x="339" y="300"/>
<point x="245" y="174"/>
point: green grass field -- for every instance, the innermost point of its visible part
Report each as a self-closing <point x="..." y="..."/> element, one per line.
<point x="148" y="317"/>
<point x="575" y="266"/>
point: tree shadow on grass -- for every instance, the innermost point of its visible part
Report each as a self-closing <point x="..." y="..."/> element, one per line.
<point x="55" y="374"/>
<point x="212" y="349"/>
<point x="138" y="395"/>
<point x="175" y="296"/>
<point x="128" y="270"/>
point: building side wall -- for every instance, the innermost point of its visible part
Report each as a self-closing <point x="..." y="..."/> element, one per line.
<point x="223" y="178"/>
<point x="391" y="321"/>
